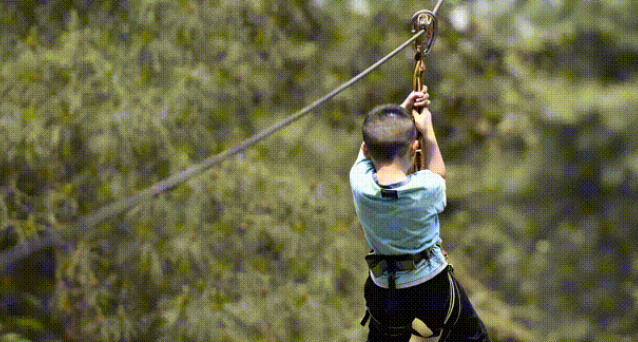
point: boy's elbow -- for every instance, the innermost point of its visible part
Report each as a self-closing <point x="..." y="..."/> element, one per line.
<point x="441" y="172"/>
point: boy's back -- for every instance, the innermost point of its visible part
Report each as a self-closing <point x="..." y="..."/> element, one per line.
<point x="400" y="218"/>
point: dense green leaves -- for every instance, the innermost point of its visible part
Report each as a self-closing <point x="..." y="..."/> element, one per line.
<point x="533" y="106"/>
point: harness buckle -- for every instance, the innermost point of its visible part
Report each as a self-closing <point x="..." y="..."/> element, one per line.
<point x="379" y="263"/>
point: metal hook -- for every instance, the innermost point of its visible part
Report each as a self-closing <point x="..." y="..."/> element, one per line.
<point x="427" y="21"/>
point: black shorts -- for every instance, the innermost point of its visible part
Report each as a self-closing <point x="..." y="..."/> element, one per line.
<point x="393" y="310"/>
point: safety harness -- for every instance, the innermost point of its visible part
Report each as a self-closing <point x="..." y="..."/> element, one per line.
<point x="451" y="318"/>
<point x="379" y="264"/>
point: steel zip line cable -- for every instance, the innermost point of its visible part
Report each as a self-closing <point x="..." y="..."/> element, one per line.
<point x="437" y="6"/>
<point x="67" y="231"/>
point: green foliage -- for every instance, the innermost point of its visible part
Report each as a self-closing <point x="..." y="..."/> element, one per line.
<point x="552" y="122"/>
<point x="90" y="120"/>
<point x="533" y="106"/>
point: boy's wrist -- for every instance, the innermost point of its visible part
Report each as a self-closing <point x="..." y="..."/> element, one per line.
<point x="428" y="135"/>
<point x="426" y="130"/>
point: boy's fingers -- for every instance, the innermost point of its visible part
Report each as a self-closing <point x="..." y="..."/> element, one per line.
<point x="412" y="97"/>
<point x="418" y="99"/>
<point x="423" y="103"/>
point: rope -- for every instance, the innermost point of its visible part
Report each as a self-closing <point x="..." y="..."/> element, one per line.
<point x="67" y="231"/>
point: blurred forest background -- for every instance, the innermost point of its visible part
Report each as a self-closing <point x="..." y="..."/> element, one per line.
<point x="535" y="107"/>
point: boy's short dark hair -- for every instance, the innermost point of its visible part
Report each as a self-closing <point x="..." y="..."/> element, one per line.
<point x="388" y="131"/>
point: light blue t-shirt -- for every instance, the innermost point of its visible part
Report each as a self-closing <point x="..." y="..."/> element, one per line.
<point x="401" y="218"/>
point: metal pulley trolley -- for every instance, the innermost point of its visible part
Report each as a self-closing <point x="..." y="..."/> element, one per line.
<point x="426" y="21"/>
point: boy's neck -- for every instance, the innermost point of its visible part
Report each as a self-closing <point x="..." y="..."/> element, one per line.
<point x="391" y="174"/>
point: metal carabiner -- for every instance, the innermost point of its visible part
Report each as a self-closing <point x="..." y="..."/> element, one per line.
<point x="424" y="20"/>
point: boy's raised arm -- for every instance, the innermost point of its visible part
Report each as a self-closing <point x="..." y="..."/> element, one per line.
<point x="431" y="154"/>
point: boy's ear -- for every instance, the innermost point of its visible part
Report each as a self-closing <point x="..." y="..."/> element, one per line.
<point x="364" y="149"/>
<point x="414" y="146"/>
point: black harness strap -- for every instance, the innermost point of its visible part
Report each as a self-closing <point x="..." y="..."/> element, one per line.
<point x="379" y="263"/>
<point x="454" y="306"/>
<point x="387" y="330"/>
<point x="392" y="279"/>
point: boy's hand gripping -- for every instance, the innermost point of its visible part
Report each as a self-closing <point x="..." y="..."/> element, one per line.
<point x="418" y="103"/>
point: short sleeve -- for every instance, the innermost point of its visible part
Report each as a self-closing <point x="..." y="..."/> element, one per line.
<point x="436" y="189"/>
<point x="361" y="167"/>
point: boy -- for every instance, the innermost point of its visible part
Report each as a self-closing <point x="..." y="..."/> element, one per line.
<point x="409" y="276"/>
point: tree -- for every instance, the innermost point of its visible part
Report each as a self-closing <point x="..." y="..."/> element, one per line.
<point x="102" y="98"/>
<point x="550" y="90"/>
